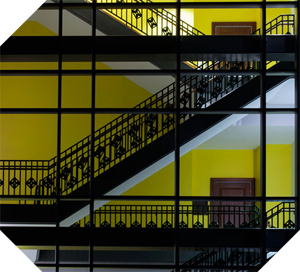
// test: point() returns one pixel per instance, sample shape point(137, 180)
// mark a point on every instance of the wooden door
point(232, 213)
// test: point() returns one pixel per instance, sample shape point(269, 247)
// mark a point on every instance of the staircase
point(280, 216)
point(128, 139)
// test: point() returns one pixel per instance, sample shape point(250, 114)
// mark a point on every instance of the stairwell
point(127, 140)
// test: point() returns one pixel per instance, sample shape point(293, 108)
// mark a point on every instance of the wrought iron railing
point(280, 216)
point(20, 177)
point(123, 136)
point(190, 216)
point(152, 22)
point(128, 133)
point(283, 24)
point(162, 216)
point(221, 257)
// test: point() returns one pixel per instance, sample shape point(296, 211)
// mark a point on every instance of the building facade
point(151, 135)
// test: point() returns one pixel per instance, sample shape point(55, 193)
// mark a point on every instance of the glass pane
point(139, 147)
point(219, 149)
point(134, 214)
point(75, 155)
point(77, 22)
point(25, 161)
point(135, 92)
point(281, 215)
point(76, 91)
point(137, 21)
point(28, 91)
point(280, 155)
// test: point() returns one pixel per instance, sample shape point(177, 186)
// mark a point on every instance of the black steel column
point(59, 95)
point(92, 143)
point(297, 117)
point(263, 135)
point(177, 139)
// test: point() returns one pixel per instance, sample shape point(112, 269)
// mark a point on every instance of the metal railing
point(221, 257)
point(283, 24)
point(129, 133)
point(123, 136)
point(162, 216)
point(152, 22)
point(190, 216)
point(280, 216)
point(24, 177)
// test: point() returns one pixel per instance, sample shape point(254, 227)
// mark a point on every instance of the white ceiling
point(245, 133)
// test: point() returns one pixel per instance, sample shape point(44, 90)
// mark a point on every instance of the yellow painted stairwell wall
point(33, 136)
point(203, 18)
point(278, 171)
point(198, 166)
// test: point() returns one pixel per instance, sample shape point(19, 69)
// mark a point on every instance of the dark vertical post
point(92, 144)
point(263, 135)
point(177, 139)
point(59, 94)
point(297, 117)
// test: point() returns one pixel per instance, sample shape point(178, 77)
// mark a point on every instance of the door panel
point(232, 212)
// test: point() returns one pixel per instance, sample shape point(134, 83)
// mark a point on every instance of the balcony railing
point(162, 216)
point(281, 25)
point(190, 216)
point(280, 216)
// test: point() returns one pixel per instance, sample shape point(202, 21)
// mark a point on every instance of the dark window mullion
point(92, 143)
point(59, 96)
point(177, 139)
point(263, 135)
point(297, 118)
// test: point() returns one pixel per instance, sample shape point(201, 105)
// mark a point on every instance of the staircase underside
point(113, 48)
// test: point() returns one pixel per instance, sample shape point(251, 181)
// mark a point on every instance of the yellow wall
point(162, 183)
point(278, 167)
point(256, 170)
point(34, 136)
point(203, 18)
point(278, 171)
point(199, 166)
point(209, 164)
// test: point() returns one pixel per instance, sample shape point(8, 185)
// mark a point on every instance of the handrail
point(165, 14)
point(140, 129)
point(196, 92)
point(276, 211)
point(288, 22)
point(149, 102)
point(159, 22)
point(190, 216)
point(162, 216)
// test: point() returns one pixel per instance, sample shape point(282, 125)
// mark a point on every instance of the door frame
point(237, 180)
point(214, 181)
point(214, 25)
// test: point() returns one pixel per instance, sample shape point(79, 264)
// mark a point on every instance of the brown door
point(232, 213)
